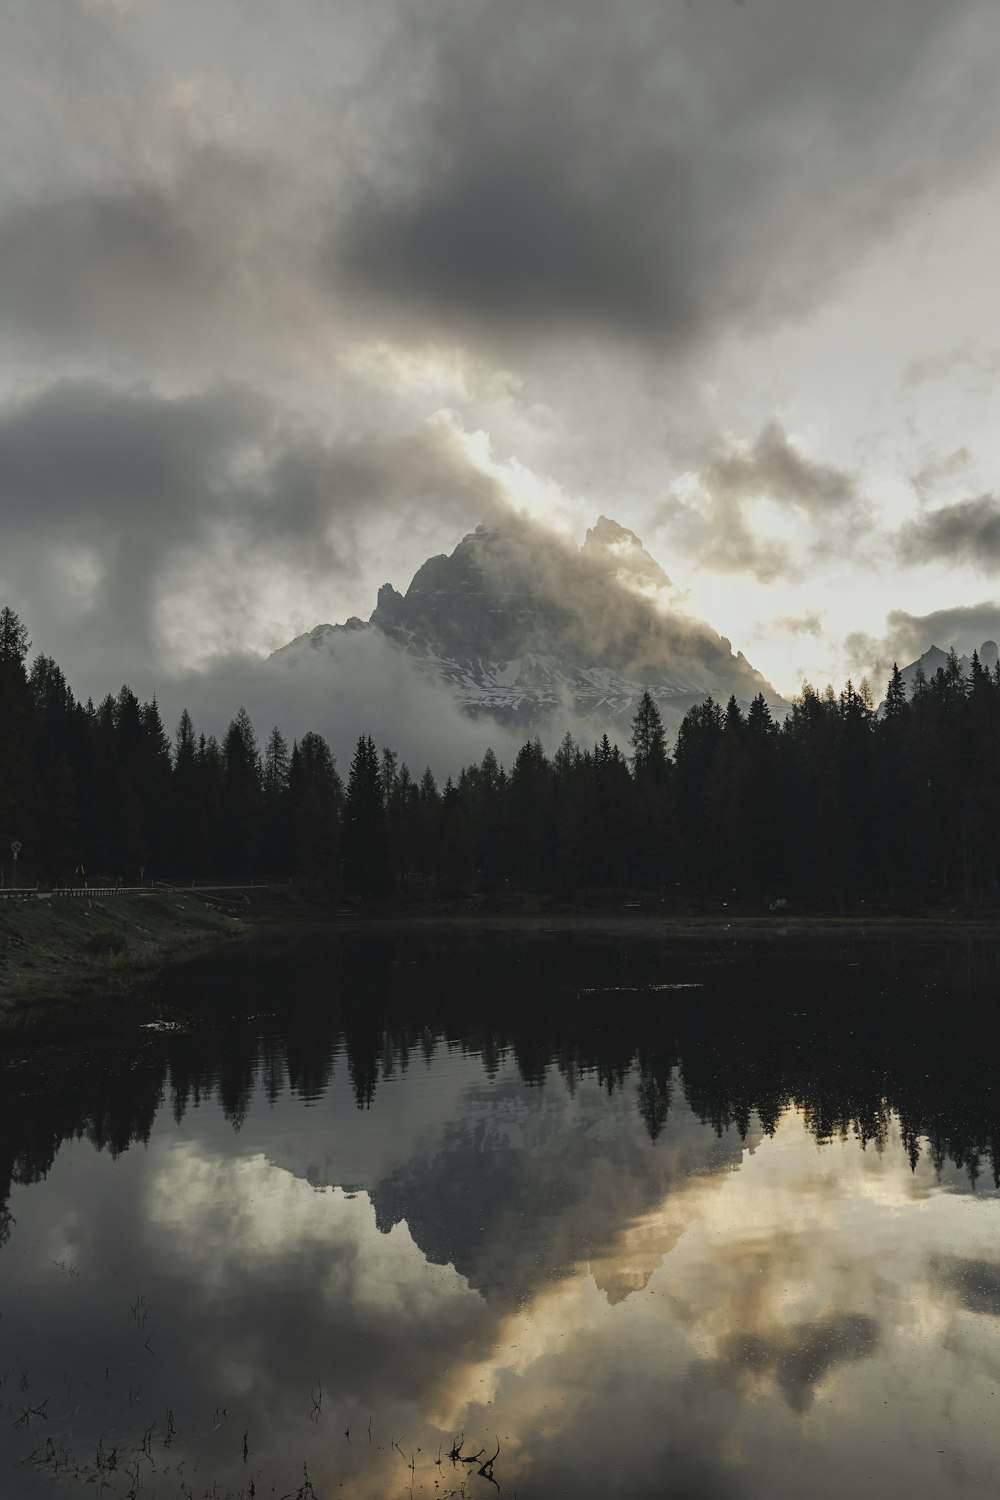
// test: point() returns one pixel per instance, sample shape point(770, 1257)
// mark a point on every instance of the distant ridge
point(934, 659)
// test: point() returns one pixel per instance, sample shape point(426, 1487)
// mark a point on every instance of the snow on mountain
point(527, 628)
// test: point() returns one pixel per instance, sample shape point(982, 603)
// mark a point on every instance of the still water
point(628, 1218)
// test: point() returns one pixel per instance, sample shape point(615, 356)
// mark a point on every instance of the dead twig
point(486, 1471)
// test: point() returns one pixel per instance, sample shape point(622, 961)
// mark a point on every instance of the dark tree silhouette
point(840, 805)
point(366, 855)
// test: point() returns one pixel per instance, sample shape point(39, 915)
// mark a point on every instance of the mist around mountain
point(836, 807)
point(541, 635)
point(935, 660)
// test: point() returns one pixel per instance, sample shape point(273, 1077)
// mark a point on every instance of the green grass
point(57, 955)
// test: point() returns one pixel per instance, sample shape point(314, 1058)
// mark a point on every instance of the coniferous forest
point(840, 806)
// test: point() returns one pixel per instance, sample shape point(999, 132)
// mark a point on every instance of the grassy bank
point(75, 965)
point(64, 957)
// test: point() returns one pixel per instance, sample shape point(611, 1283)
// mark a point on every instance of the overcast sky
point(291, 295)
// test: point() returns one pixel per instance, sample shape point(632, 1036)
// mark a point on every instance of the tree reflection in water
point(489, 1184)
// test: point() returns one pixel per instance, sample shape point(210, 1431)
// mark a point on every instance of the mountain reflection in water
point(659, 1219)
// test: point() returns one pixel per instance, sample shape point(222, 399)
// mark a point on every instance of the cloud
point(632, 564)
point(975, 1283)
point(538, 215)
point(158, 265)
point(171, 530)
point(938, 469)
point(711, 514)
point(811, 623)
point(165, 205)
point(967, 531)
point(657, 172)
point(365, 685)
point(665, 173)
point(964, 626)
point(177, 538)
point(942, 364)
point(798, 1358)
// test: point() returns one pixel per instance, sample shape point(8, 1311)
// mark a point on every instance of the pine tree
point(648, 741)
point(366, 861)
point(698, 742)
point(402, 820)
point(14, 642)
point(488, 820)
point(456, 868)
point(531, 829)
point(187, 848)
point(152, 779)
point(895, 695)
point(275, 767)
point(276, 840)
point(612, 793)
point(241, 803)
point(315, 797)
point(428, 810)
point(211, 778)
point(55, 746)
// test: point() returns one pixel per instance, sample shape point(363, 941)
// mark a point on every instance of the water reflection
point(661, 1222)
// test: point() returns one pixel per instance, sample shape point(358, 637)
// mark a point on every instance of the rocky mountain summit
point(526, 627)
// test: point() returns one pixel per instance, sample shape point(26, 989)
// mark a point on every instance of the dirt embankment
point(61, 954)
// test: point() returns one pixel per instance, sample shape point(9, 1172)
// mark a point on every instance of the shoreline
point(666, 926)
point(84, 966)
point(80, 963)
point(639, 918)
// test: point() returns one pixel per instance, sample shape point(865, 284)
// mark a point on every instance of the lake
point(416, 1214)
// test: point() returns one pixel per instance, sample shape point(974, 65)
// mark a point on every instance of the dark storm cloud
point(145, 489)
point(194, 256)
point(964, 627)
point(713, 519)
point(83, 451)
point(968, 532)
point(661, 170)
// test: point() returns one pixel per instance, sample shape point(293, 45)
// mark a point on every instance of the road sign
point(16, 847)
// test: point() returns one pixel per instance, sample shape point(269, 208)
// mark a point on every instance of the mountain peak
point(934, 659)
point(389, 609)
point(614, 543)
point(527, 627)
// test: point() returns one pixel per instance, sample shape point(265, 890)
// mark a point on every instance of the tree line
point(840, 804)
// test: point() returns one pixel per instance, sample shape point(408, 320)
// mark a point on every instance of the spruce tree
point(366, 860)
point(241, 803)
point(275, 835)
point(187, 847)
point(648, 741)
point(315, 796)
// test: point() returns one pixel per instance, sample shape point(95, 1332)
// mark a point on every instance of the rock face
point(528, 628)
